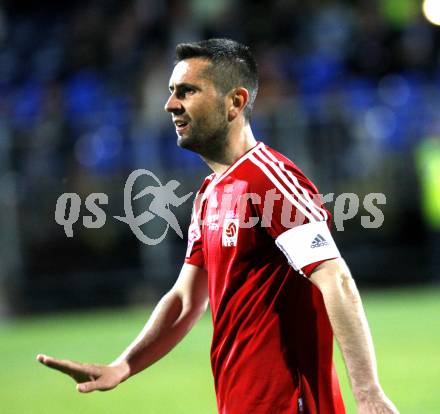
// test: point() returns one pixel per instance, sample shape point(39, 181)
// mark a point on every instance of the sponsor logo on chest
point(212, 221)
point(230, 229)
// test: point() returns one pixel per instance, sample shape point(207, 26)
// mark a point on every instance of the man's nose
point(173, 105)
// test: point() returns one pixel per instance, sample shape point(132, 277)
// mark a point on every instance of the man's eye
point(186, 91)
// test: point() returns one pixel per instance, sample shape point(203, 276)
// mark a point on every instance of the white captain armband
point(306, 244)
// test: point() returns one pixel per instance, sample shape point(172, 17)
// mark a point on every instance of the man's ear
point(238, 99)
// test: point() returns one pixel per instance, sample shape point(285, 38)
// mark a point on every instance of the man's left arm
point(350, 327)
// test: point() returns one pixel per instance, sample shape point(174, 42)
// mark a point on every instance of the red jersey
point(258, 231)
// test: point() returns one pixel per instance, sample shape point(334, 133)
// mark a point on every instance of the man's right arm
point(171, 320)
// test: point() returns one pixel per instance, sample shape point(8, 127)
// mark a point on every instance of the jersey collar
point(237, 162)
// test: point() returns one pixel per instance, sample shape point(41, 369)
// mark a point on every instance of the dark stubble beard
point(207, 135)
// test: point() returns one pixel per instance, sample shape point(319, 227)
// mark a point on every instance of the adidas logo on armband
point(318, 241)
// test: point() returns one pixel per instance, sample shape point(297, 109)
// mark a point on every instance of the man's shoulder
point(266, 165)
point(265, 156)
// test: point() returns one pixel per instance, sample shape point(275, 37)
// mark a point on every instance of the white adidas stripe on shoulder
point(306, 194)
point(292, 182)
point(291, 187)
point(281, 187)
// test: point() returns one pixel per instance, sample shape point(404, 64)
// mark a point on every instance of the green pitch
point(405, 325)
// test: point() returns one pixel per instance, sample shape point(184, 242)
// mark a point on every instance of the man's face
point(198, 109)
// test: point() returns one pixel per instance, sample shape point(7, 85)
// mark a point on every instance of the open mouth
point(181, 125)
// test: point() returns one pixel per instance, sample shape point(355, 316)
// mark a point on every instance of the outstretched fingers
point(62, 365)
point(79, 372)
point(89, 377)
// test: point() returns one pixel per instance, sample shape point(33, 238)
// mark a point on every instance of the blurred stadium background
point(350, 90)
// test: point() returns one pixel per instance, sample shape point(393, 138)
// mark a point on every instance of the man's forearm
point(350, 327)
point(172, 318)
point(168, 324)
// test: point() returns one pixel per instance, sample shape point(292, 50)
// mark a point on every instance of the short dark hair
point(232, 65)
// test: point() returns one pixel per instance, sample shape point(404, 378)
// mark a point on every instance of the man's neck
point(237, 144)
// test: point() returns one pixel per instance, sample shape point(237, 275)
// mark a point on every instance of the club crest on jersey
point(230, 232)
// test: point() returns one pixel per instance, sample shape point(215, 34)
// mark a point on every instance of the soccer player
point(260, 250)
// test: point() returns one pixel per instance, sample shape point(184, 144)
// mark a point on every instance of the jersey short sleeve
point(292, 212)
point(194, 250)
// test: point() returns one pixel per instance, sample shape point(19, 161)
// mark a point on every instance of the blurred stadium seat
point(348, 91)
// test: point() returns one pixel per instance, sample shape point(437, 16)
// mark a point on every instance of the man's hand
point(379, 404)
point(172, 318)
point(89, 377)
